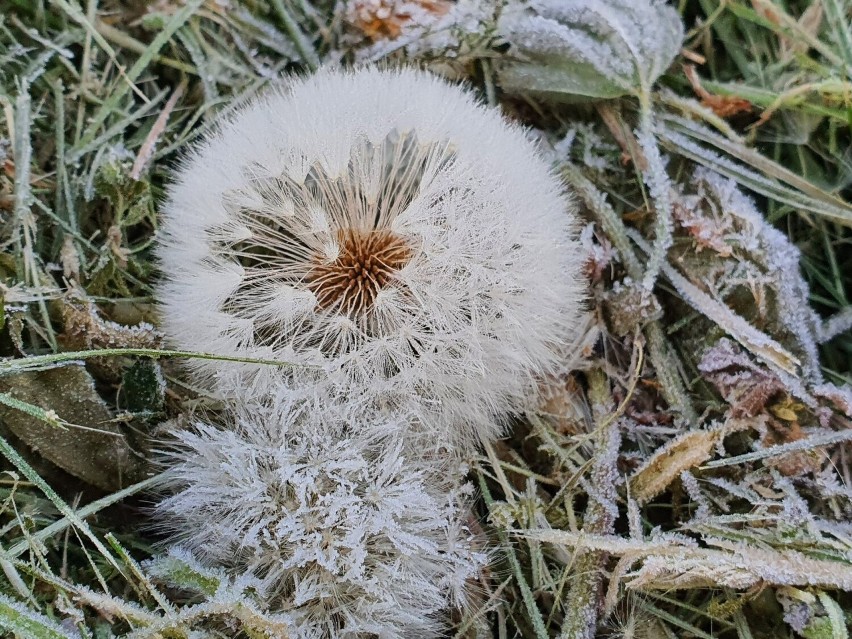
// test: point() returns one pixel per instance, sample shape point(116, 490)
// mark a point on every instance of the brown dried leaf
point(725, 106)
point(739, 567)
point(86, 329)
point(666, 465)
point(560, 400)
point(97, 453)
point(840, 397)
point(677, 562)
point(69, 259)
point(705, 230)
point(115, 243)
point(629, 307)
point(386, 19)
point(746, 386)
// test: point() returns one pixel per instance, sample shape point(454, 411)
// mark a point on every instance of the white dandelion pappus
point(348, 537)
point(385, 227)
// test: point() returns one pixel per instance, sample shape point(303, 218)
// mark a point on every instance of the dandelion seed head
point(378, 225)
point(347, 537)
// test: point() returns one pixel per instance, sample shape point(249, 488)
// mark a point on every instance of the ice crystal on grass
point(384, 228)
point(604, 48)
point(347, 536)
point(21, 621)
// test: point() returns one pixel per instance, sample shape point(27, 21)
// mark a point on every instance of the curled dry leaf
point(740, 568)
point(666, 465)
point(725, 106)
point(86, 329)
point(678, 562)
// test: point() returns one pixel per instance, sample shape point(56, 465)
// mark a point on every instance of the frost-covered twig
point(835, 325)
point(657, 179)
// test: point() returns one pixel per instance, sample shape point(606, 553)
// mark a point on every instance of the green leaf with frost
point(24, 623)
point(557, 80)
point(601, 49)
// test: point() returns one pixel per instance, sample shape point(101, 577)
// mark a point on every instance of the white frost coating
point(348, 537)
point(563, 44)
point(487, 280)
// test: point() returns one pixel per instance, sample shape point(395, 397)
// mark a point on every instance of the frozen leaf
point(759, 278)
point(85, 329)
point(675, 562)
point(839, 396)
point(666, 465)
point(629, 307)
point(752, 338)
point(742, 568)
point(92, 447)
point(599, 49)
point(746, 386)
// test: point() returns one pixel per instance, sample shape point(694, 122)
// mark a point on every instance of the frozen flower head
point(594, 48)
point(385, 228)
point(347, 537)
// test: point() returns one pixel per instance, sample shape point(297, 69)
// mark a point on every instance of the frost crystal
point(604, 48)
point(347, 537)
point(384, 229)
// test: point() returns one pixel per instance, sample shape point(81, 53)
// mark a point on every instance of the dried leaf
point(725, 106)
point(666, 465)
point(388, 19)
point(85, 329)
point(96, 451)
point(747, 387)
point(675, 562)
point(742, 568)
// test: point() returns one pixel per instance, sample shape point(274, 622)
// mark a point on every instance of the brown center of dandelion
point(365, 264)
